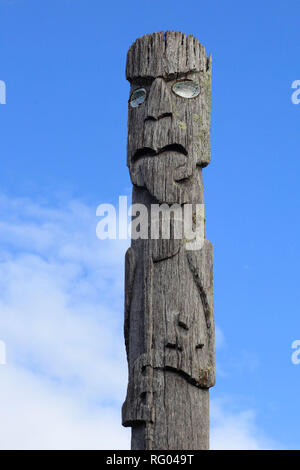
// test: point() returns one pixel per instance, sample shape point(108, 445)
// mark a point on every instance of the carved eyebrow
point(147, 81)
point(142, 81)
point(182, 75)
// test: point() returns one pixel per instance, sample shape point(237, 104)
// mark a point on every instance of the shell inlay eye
point(186, 89)
point(138, 97)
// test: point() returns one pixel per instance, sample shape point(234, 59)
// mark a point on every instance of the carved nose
point(159, 101)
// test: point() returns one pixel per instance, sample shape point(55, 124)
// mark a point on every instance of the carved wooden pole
point(169, 320)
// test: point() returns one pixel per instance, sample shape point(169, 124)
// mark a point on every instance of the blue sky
point(63, 152)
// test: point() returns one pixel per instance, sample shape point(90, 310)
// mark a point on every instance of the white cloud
point(35, 414)
point(236, 430)
point(61, 318)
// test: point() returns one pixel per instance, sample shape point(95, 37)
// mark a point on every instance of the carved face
point(168, 134)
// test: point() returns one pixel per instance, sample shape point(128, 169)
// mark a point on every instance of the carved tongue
point(160, 174)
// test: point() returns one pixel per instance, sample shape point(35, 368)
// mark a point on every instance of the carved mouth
point(149, 152)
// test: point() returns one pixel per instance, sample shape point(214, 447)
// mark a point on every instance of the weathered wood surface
point(169, 319)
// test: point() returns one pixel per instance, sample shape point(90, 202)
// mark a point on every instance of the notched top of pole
point(166, 54)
